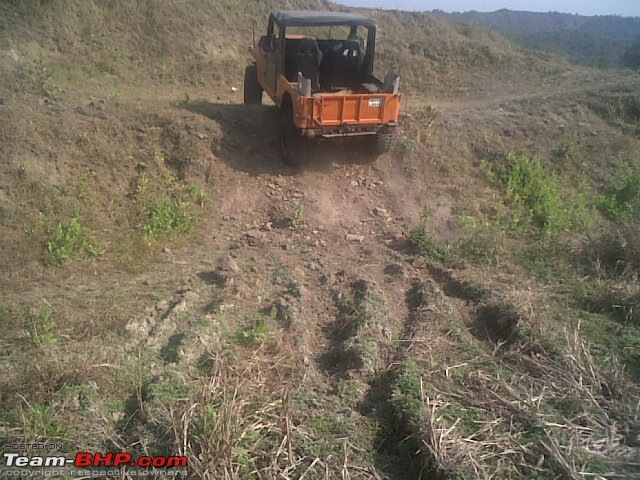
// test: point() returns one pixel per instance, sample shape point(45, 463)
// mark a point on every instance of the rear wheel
point(252, 89)
point(292, 144)
point(382, 144)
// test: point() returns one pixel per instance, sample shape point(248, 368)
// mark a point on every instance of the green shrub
point(535, 200)
point(70, 241)
point(166, 215)
point(621, 200)
point(169, 209)
point(425, 244)
point(251, 335)
point(533, 193)
point(44, 330)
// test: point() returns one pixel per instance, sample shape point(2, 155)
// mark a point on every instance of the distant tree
point(631, 57)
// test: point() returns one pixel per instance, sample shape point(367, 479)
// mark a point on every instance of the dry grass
point(538, 412)
point(242, 423)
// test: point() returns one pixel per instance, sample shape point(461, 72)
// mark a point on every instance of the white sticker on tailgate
point(375, 102)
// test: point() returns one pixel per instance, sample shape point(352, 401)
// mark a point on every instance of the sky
point(627, 8)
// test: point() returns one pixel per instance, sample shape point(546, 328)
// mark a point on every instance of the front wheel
point(292, 144)
point(252, 89)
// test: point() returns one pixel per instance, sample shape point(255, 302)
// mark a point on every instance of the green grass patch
point(360, 333)
point(39, 423)
point(425, 244)
point(70, 242)
point(535, 198)
point(621, 200)
point(253, 334)
point(44, 329)
point(608, 337)
point(168, 208)
point(407, 393)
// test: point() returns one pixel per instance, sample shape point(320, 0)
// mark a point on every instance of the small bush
point(425, 244)
point(296, 217)
point(44, 330)
point(251, 335)
point(165, 216)
point(169, 209)
point(70, 241)
point(621, 200)
point(534, 193)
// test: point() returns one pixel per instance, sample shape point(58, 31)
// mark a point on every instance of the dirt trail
point(373, 203)
point(320, 252)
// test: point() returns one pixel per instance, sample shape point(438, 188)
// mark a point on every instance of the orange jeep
point(317, 67)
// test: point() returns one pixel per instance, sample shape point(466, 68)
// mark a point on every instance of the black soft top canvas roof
point(307, 18)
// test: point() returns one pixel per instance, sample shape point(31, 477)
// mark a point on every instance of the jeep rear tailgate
point(354, 109)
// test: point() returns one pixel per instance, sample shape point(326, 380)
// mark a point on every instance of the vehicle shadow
point(250, 141)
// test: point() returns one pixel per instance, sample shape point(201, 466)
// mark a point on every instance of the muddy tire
point(252, 89)
point(382, 144)
point(293, 145)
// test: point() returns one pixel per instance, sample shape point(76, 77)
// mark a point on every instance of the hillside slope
point(464, 307)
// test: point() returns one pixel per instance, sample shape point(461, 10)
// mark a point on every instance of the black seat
point(307, 62)
point(347, 65)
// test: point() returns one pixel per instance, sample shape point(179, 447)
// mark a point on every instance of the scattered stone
point(253, 233)
point(167, 251)
point(267, 227)
point(354, 183)
point(314, 266)
point(162, 305)
point(381, 212)
point(419, 262)
point(218, 277)
point(180, 307)
point(328, 279)
point(97, 103)
point(354, 238)
point(141, 166)
point(227, 264)
point(226, 307)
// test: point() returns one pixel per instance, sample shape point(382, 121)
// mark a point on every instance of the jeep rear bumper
point(348, 130)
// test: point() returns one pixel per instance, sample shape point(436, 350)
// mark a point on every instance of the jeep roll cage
point(300, 18)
